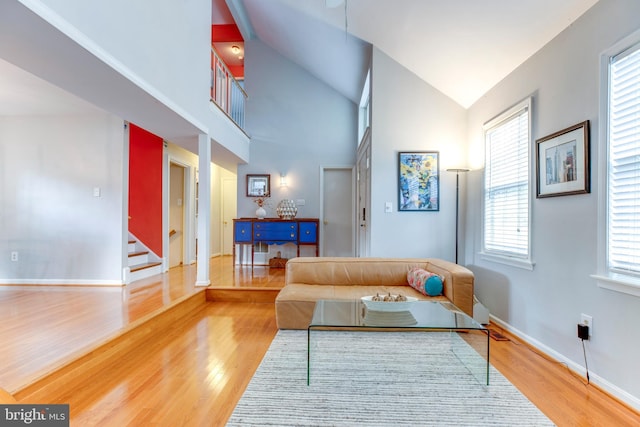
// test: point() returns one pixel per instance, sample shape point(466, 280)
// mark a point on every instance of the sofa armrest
point(458, 283)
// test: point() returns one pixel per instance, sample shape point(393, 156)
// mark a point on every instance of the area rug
point(379, 379)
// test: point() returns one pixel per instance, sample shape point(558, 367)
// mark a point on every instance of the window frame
point(607, 278)
point(513, 259)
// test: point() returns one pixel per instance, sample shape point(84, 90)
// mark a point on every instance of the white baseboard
point(602, 383)
point(61, 282)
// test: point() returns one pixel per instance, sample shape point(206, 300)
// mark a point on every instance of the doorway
point(177, 175)
point(229, 201)
point(338, 207)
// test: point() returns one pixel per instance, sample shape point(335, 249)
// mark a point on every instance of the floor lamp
point(457, 171)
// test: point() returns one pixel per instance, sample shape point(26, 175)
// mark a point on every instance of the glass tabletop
point(414, 314)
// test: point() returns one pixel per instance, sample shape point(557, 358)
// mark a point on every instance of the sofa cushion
point(425, 282)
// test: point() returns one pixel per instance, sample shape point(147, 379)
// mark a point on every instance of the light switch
point(96, 191)
point(388, 207)
point(299, 202)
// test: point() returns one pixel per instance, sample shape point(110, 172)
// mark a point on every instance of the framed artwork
point(563, 162)
point(258, 185)
point(419, 181)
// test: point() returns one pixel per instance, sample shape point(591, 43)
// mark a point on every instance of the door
point(229, 198)
point(176, 214)
point(363, 189)
point(338, 206)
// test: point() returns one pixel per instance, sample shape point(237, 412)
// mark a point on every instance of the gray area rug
point(379, 379)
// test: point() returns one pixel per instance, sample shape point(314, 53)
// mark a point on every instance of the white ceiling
point(461, 47)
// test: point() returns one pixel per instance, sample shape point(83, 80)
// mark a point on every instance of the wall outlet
point(14, 256)
point(587, 320)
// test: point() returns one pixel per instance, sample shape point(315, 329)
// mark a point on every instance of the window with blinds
point(623, 207)
point(506, 184)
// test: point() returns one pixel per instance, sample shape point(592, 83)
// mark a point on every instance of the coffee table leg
point(308, 354)
point(488, 341)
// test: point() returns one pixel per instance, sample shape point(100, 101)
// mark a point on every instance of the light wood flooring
point(195, 370)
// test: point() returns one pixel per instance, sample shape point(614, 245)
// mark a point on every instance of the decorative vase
point(261, 212)
point(287, 209)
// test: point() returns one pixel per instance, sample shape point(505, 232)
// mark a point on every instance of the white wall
point(545, 304)
point(410, 115)
point(297, 124)
point(164, 45)
point(48, 213)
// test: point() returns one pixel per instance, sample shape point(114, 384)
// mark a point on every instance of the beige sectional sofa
point(310, 279)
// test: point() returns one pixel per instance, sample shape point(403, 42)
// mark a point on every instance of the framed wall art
point(258, 185)
point(419, 181)
point(563, 162)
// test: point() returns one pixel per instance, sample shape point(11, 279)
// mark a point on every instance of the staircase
point(142, 262)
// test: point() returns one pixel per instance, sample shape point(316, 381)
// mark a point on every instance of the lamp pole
point(457, 171)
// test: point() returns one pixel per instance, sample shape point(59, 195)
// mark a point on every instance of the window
point(364, 110)
point(506, 187)
point(619, 215)
point(623, 218)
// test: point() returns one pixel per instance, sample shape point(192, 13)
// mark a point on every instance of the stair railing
point(226, 92)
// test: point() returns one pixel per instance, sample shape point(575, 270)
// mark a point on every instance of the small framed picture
point(563, 162)
point(419, 181)
point(258, 185)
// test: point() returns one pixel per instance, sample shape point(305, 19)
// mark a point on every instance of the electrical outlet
point(587, 320)
point(14, 256)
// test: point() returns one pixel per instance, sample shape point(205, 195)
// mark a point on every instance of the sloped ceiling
point(461, 47)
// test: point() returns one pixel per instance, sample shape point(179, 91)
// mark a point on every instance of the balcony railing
point(226, 92)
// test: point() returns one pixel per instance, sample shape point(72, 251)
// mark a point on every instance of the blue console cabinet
point(273, 231)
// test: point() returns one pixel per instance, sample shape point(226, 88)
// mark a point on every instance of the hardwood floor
point(193, 373)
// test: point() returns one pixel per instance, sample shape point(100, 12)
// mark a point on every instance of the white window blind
point(506, 190)
point(624, 163)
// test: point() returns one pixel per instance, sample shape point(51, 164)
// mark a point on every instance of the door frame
point(189, 242)
point(225, 199)
point(364, 150)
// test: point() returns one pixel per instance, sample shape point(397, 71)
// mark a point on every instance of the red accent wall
point(145, 187)
point(225, 33)
point(237, 71)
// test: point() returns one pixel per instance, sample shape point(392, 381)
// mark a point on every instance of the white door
point(363, 189)
point(337, 212)
point(176, 215)
point(229, 197)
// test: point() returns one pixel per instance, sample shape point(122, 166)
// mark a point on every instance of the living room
point(543, 304)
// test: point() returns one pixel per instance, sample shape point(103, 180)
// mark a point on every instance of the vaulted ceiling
point(461, 47)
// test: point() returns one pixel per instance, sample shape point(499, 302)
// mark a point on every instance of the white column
point(204, 210)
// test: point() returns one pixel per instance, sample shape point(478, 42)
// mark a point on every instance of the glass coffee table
point(428, 316)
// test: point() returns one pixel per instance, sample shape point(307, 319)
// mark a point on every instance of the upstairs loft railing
point(226, 92)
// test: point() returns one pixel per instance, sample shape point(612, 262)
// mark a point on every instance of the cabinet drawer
point(275, 231)
point(242, 231)
point(308, 232)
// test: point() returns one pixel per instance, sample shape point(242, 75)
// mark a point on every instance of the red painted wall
point(225, 33)
point(145, 187)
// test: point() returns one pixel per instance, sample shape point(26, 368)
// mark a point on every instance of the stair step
point(132, 254)
point(143, 266)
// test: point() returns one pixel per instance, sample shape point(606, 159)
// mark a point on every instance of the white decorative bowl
point(387, 305)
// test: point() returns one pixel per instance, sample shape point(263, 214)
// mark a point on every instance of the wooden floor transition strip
point(257, 295)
